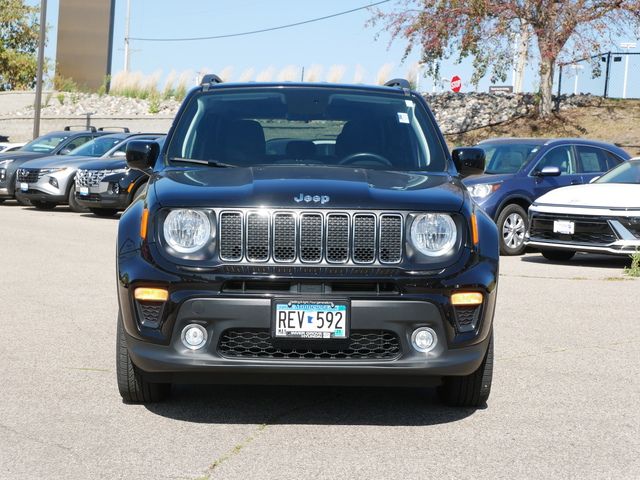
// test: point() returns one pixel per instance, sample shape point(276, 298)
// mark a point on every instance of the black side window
point(76, 142)
point(591, 159)
point(561, 157)
point(612, 160)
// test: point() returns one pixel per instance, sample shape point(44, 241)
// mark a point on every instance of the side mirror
point(65, 151)
point(549, 171)
point(468, 160)
point(141, 155)
point(594, 179)
point(119, 154)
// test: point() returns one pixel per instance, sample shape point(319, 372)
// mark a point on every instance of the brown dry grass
point(614, 121)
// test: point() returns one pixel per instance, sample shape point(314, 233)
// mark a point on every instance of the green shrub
point(634, 269)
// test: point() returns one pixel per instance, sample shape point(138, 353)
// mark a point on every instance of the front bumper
point(43, 190)
point(207, 301)
point(103, 199)
point(608, 232)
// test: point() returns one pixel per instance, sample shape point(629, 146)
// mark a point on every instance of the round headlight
point(187, 231)
point(433, 234)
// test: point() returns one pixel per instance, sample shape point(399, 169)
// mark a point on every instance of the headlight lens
point(49, 171)
point(433, 234)
point(187, 231)
point(483, 190)
point(118, 170)
point(5, 163)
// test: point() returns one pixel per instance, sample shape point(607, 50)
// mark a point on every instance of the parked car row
point(85, 169)
point(520, 170)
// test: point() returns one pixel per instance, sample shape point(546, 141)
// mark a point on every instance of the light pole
point(575, 68)
point(41, 41)
point(126, 36)
point(627, 46)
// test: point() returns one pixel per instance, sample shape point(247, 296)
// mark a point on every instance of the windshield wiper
point(210, 163)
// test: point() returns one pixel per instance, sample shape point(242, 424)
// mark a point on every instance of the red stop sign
point(456, 83)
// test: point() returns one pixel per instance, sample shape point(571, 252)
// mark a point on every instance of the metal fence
point(609, 74)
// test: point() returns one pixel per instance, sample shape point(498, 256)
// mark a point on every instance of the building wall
point(85, 39)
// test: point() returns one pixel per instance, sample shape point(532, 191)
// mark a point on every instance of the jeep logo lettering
point(321, 199)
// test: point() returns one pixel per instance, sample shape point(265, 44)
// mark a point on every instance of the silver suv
point(50, 181)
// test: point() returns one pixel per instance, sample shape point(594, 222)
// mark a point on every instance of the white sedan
point(10, 147)
point(600, 217)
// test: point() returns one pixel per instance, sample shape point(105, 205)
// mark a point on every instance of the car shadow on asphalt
point(583, 260)
point(304, 405)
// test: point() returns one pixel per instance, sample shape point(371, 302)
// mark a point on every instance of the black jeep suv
point(308, 233)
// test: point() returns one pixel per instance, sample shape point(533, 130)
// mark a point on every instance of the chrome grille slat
point(231, 237)
point(364, 238)
point(29, 175)
point(311, 226)
point(284, 237)
point(311, 236)
point(337, 249)
point(390, 238)
point(257, 237)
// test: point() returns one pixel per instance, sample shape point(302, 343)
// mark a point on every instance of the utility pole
point(576, 68)
point(627, 46)
point(41, 41)
point(126, 36)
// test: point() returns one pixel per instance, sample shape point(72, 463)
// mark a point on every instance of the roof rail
point(124, 129)
point(208, 80)
point(80, 127)
point(398, 82)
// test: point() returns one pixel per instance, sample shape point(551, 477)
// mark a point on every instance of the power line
point(253, 32)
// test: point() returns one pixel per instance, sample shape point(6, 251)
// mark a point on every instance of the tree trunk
point(546, 86)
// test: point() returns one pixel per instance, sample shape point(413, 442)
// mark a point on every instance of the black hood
point(313, 187)
point(21, 156)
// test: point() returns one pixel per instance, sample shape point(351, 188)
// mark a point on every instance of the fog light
point(194, 336)
point(53, 182)
point(424, 339)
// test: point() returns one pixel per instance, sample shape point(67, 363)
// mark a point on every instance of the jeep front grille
point(90, 178)
point(311, 237)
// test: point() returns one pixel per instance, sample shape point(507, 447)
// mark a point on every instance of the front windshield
point(96, 147)
point(626, 172)
point(45, 143)
point(506, 157)
point(307, 126)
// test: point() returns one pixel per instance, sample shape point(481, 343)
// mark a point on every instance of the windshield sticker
point(409, 103)
point(403, 117)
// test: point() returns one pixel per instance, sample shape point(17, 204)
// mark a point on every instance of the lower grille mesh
point(258, 343)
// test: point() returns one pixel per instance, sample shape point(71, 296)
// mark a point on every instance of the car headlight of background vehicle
point(3, 168)
point(187, 231)
point(433, 234)
point(483, 190)
point(49, 171)
point(116, 171)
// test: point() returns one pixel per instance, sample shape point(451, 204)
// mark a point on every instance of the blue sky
point(341, 41)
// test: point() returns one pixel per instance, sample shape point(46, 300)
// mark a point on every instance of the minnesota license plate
point(24, 187)
point(310, 320)
point(566, 227)
point(84, 191)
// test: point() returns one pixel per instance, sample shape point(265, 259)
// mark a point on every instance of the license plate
point(310, 320)
point(566, 227)
point(24, 187)
point(84, 190)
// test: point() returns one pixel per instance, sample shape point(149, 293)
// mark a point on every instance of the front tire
point(558, 255)
point(512, 224)
point(73, 203)
point(131, 383)
point(470, 390)
point(43, 205)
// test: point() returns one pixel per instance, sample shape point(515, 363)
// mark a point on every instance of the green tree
point(19, 29)
point(484, 31)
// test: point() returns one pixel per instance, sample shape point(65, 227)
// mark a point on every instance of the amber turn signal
point(151, 294)
point(143, 224)
point(466, 299)
point(474, 230)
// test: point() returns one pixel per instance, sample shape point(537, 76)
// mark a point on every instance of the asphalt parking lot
point(564, 402)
